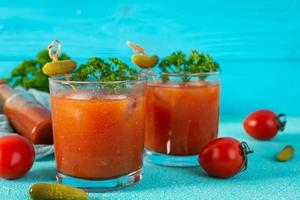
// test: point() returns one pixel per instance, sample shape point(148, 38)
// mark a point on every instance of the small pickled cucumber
point(43, 191)
point(59, 67)
point(144, 61)
point(285, 154)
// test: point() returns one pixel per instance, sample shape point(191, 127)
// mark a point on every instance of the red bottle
point(29, 118)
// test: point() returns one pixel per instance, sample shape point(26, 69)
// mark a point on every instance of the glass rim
point(186, 74)
point(57, 79)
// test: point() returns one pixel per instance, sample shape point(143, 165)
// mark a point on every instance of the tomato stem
point(246, 150)
point(281, 118)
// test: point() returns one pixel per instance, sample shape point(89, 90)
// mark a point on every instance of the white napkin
point(41, 150)
point(4, 125)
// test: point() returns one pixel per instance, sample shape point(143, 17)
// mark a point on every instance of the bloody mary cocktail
point(98, 132)
point(181, 117)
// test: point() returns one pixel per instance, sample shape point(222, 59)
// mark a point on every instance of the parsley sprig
point(178, 62)
point(99, 70)
point(28, 74)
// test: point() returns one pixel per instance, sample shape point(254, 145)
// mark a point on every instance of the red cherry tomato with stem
point(16, 156)
point(264, 124)
point(224, 157)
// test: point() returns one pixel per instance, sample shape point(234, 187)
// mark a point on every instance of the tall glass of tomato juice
point(182, 115)
point(98, 130)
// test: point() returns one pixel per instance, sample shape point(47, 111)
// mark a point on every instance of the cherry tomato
point(16, 156)
point(224, 157)
point(264, 124)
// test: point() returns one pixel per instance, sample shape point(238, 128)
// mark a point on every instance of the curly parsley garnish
point(97, 69)
point(28, 74)
point(196, 62)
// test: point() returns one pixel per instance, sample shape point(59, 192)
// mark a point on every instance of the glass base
point(171, 161)
point(101, 185)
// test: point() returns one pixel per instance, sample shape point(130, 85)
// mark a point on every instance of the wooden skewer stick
point(52, 55)
point(73, 86)
point(136, 48)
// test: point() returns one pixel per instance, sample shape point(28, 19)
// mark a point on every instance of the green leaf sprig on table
point(29, 74)
point(178, 62)
point(97, 69)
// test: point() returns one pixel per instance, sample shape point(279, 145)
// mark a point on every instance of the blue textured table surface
point(265, 178)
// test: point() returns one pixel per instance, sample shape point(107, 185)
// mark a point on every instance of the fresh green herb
point(28, 74)
point(196, 62)
point(99, 70)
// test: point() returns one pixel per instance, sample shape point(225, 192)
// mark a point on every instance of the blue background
point(257, 43)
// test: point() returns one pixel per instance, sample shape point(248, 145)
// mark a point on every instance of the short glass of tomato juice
point(98, 130)
point(182, 115)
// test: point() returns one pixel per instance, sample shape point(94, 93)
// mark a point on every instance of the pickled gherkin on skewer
point(144, 62)
point(57, 67)
point(140, 58)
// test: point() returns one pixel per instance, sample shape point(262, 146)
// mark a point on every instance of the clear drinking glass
point(98, 130)
point(182, 115)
